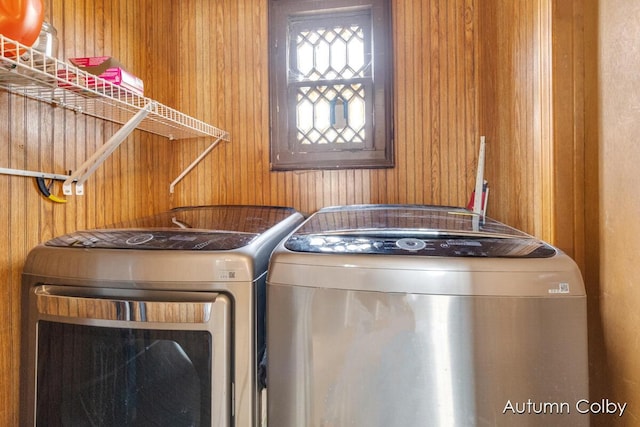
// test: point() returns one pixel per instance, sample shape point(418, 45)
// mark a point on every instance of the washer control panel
point(189, 240)
point(492, 247)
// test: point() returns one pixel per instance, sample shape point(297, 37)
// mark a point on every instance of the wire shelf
point(30, 73)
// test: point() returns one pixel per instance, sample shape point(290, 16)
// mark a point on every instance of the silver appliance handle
point(197, 309)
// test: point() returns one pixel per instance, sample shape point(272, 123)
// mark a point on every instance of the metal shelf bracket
point(194, 164)
point(93, 162)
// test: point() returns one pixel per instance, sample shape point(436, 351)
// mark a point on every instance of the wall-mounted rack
point(32, 74)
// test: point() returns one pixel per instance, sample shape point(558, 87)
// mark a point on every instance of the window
point(330, 82)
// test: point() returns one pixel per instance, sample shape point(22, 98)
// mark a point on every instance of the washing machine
point(156, 321)
point(412, 316)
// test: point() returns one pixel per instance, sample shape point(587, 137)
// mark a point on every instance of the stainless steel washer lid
point(368, 248)
point(202, 228)
point(425, 218)
point(413, 230)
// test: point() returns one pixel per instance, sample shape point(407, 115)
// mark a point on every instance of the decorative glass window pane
point(327, 108)
point(330, 115)
point(329, 52)
point(329, 73)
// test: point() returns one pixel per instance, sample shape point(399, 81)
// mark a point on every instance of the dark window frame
point(377, 150)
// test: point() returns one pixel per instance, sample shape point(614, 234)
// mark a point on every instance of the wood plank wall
point(573, 199)
point(532, 112)
point(224, 75)
point(36, 136)
point(514, 116)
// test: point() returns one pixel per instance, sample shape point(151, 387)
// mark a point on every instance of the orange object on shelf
point(21, 20)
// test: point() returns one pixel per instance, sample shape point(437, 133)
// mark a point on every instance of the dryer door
point(127, 358)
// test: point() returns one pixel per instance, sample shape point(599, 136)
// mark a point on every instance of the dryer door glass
point(123, 357)
point(90, 375)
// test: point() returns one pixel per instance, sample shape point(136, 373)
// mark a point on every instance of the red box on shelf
point(106, 68)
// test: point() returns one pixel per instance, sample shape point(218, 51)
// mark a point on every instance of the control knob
point(411, 244)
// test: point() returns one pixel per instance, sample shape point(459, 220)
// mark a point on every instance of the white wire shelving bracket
point(58, 83)
point(193, 165)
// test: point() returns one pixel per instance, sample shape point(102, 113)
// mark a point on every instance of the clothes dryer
point(156, 321)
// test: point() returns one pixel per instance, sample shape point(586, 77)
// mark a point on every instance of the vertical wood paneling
point(400, 125)
point(436, 120)
point(532, 102)
point(568, 107)
point(7, 400)
point(37, 136)
point(601, 368)
point(508, 108)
